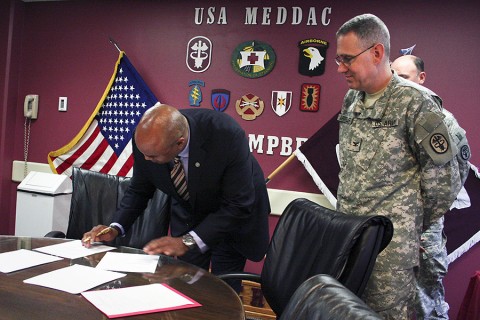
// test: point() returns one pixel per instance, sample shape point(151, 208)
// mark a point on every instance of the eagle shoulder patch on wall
point(313, 53)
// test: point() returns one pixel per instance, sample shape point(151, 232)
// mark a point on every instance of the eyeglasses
point(348, 60)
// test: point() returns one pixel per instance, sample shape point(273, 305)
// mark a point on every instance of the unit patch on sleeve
point(220, 99)
point(312, 57)
point(199, 54)
point(439, 143)
point(195, 94)
point(249, 106)
point(310, 97)
point(253, 59)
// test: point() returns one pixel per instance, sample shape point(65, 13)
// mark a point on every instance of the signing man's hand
point(169, 246)
point(99, 233)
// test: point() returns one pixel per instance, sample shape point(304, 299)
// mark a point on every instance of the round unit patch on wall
point(253, 59)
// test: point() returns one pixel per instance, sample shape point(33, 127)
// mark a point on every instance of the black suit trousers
point(220, 259)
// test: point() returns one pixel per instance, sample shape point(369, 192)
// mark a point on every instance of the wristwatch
point(189, 241)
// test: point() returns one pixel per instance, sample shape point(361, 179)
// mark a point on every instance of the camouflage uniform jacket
point(396, 160)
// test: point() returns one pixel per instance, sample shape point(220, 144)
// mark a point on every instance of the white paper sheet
point(128, 262)
point(73, 249)
point(130, 301)
point(22, 259)
point(74, 279)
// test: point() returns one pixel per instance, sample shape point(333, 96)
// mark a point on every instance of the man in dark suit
point(223, 217)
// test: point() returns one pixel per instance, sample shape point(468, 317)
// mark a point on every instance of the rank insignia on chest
point(249, 106)
point(281, 102)
point(253, 59)
point(220, 99)
point(195, 94)
point(354, 144)
point(310, 97)
point(312, 56)
point(199, 54)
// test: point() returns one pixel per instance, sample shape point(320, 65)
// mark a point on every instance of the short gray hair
point(369, 29)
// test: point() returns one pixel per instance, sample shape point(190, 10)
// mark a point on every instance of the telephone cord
point(26, 142)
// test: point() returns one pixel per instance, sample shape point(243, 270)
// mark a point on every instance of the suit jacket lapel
point(196, 158)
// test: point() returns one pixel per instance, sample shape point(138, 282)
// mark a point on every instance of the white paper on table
point(23, 259)
point(128, 262)
point(74, 279)
point(73, 249)
point(131, 301)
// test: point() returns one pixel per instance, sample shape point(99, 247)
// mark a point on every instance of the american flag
point(104, 143)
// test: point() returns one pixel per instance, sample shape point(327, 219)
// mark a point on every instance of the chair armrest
point(55, 234)
point(241, 275)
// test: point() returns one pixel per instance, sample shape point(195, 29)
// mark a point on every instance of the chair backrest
point(152, 224)
point(95, 199)
point(322, 297)
point(310, 239)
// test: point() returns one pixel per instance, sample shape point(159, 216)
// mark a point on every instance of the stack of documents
point(78, 279)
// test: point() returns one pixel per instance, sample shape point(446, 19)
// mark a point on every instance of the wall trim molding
point(279, 199)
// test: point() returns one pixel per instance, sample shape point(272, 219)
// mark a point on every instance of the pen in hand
point(102, 232)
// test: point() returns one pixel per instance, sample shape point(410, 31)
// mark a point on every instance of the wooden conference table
point(19, 300)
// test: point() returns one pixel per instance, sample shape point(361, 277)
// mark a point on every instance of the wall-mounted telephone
point(30, 111)
point(30, 106)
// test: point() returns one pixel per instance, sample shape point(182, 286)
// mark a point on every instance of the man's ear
point(421, 77)
point(378, 52)
point(181, 142)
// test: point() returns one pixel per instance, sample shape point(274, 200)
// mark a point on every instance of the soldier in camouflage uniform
point(396, 159)
point(430, 300)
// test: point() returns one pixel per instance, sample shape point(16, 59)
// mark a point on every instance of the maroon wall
point(11, 20)
point(65, 52)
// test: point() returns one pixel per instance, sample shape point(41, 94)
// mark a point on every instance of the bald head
point(162, 133)
point(410, 67)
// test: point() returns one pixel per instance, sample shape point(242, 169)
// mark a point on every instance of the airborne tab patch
point(312, 57)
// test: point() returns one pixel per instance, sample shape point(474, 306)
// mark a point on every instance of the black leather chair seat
point(310, 239)
point(322, 297)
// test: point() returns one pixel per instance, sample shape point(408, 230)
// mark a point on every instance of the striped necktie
point(179, 180)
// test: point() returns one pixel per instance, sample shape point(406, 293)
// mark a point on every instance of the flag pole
point(280, 167)
point(114, 43)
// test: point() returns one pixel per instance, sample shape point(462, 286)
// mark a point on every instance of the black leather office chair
point(310, 239)
point(95, 198)
point(322, 297)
